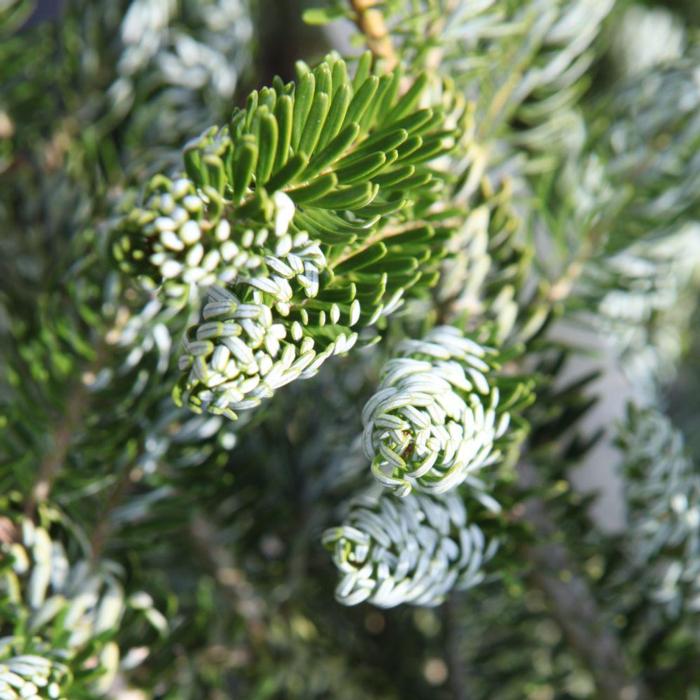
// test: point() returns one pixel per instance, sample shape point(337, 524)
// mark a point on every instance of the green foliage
point(440, 413)
point(59, 617)
point(651, 143)
point(348, 153)
point(489, 260)
point(662, 493)
point(437, 232)
point(327, 164)
point(411, 550)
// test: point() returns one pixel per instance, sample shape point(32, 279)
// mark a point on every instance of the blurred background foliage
point(213, 529)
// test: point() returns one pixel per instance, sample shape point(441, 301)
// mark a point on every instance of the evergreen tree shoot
point(349, 350)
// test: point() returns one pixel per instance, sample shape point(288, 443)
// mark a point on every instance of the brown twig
point(61, 440)
point(381, 234)
point(66, 427)
point(8, 531)
point(571, 602)
point(455, 661)
point(370, 21)
point(103, 529)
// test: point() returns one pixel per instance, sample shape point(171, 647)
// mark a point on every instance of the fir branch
point(429, 547)
point(75, 610)
point(318, 209)
point(439, 414)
